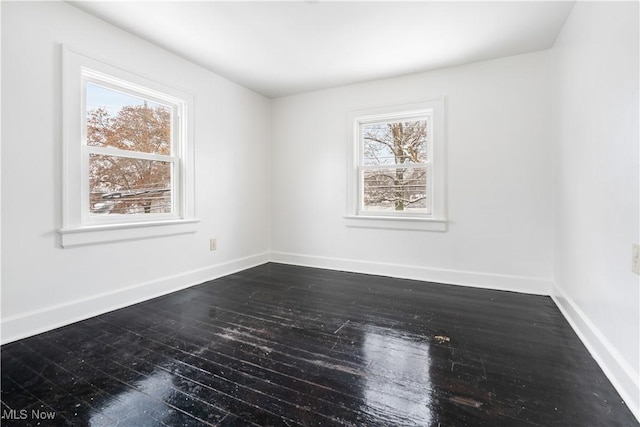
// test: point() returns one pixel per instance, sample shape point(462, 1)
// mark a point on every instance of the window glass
point(395, 190)
point(125, 185)
point(127, 122)
point(394, 165)
point(395, 142)
point(135, 175)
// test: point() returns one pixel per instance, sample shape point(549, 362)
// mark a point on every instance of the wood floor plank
point(256, 368)
point(296, 346)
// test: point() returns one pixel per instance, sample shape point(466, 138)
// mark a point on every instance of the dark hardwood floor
point(283, 345)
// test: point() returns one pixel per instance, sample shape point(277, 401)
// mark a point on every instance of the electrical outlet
point(213, 244)
point(635, 259)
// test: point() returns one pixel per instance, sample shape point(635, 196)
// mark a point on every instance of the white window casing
point(431, 217)
point(79, 225)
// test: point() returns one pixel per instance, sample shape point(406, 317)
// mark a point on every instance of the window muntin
point(394, 164)
point(131, 144)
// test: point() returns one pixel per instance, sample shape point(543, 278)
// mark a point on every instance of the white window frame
point(79, 226)
point(435, 219)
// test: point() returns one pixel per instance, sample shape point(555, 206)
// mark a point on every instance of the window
point(131, 147)
point(395, 164)
point(397, 169)
point(128, 163)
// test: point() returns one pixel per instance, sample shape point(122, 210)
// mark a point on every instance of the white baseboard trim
point(527, 285)
point(621, 374)
point(618, 371)
point(43, 320)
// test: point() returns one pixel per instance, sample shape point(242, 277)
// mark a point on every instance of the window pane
point(121, 185)
point(395, 190)
point(127, 122)
point(395, 142)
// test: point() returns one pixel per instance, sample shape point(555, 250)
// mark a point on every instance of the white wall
point(597, 185)
point(499, 178)
point(510, 226)
point(44, 286)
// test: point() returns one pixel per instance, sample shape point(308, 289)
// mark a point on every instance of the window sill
point(396, 223)
point(100, 234)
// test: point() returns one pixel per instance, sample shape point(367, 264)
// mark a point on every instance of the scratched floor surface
point(287, 346)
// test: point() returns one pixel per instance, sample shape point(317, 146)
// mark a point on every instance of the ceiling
point(285, 48)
